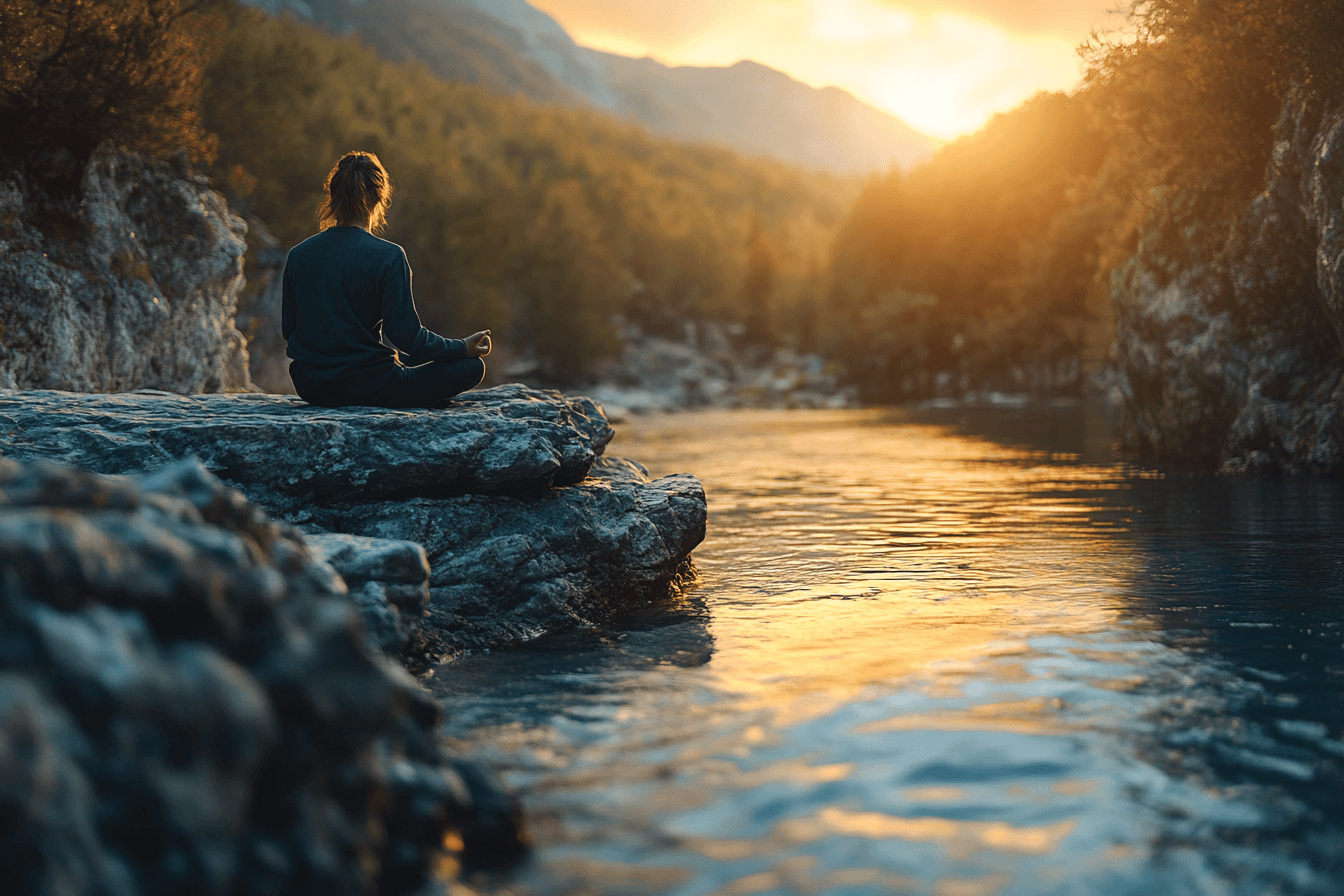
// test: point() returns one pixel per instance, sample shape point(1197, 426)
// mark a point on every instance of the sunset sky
point(944, 66)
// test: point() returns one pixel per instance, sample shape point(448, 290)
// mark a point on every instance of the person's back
point(344, 288)
point(339, 281)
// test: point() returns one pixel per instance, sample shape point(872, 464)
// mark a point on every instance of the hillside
point(539, 221)
point(510, 47)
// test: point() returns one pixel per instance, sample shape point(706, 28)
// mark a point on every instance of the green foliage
point(1191, 90)
point(74, 73)
point(1014, 232)
point(541, 223)
point(979, 264)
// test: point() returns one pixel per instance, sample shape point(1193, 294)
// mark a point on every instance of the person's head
point(358, 190)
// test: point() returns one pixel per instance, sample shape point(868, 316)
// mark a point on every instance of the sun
point(942, 67)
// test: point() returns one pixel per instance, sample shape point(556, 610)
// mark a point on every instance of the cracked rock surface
point(507, 569)
point(287, 455)
point(525, 527)
point(129, 282)
point(388, 579)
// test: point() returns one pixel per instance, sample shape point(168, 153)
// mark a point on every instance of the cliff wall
point(122, 275)
point(1230, 334)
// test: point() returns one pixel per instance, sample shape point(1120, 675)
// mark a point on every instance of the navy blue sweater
point(342, 289)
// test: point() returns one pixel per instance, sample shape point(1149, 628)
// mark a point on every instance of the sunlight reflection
point(929, 663)
point(960, 837)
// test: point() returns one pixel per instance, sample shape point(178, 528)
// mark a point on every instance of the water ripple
point(962, 656)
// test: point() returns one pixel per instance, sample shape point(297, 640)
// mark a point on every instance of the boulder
point(706, 365)
point(526, 529)
point(507, 569)
point(129, 282)
point(1229, 334)
point(287, 455)
point(188, 704)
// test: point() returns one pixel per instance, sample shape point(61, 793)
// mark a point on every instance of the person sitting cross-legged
point(347, 296)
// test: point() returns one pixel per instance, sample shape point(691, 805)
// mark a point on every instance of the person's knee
point(480, 363)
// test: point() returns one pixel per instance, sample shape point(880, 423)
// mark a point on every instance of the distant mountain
point(512, 47)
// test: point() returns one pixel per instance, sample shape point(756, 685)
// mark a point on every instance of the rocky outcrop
point(127, 281)
point(508, 569)
point(288, 456)
point(698, 364)
point(188, 704)
point(1229, 334)
point(525, 529)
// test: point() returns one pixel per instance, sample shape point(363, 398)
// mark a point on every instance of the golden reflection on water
point(962, 838)
point(961, 550)
point(916, 671)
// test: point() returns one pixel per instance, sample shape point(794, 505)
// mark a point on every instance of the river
point(953, 653)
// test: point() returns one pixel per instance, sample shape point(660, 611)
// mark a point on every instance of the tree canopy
point(74, 73)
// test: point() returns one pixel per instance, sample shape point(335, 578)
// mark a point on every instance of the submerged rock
point(525, 529)
point(188, 704)
point(125, 278)
point(1230, 335)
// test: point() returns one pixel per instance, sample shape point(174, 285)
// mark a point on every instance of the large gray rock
point(188, 704)
point(287, 455)
point(507, 569)
point(709, 367)
point(1230, 333)
point(131, 283)
point(525, 529)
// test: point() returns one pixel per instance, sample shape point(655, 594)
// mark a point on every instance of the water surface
point(960, 655)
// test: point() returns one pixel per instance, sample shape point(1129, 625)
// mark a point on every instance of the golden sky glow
point(943, 67)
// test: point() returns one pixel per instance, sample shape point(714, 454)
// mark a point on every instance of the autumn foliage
point(988, 268)
point(74, 73)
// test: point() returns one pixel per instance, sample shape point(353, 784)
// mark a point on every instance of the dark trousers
point(427, 386)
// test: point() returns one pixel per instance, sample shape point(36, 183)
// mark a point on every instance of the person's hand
point(478, 344)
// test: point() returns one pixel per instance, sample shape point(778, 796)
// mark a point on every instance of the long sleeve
point(401, 323)
point(289, 312)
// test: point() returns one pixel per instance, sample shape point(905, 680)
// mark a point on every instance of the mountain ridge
point(512, 47)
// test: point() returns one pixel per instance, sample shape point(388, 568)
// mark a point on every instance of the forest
point(987, 268)
point(991, 266)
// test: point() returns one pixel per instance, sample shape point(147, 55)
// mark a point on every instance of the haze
point(943, 67)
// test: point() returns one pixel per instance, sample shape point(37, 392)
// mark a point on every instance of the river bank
point(208, 656)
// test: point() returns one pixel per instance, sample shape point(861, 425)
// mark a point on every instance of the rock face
point(1229, 335)
point(129, 283)
point(187, 704)
point(525, 529)
point(508, 569)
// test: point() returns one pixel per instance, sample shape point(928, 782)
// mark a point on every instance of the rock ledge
point(526, 528)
